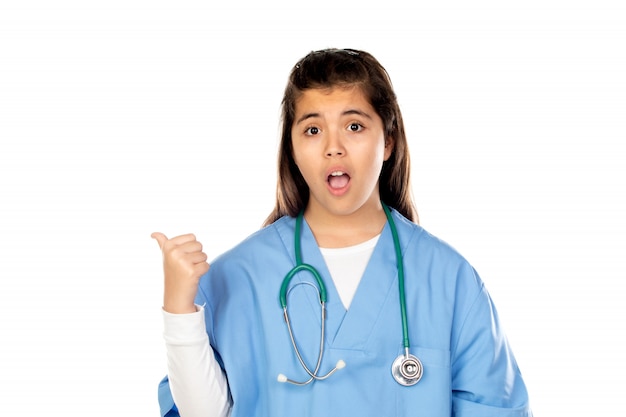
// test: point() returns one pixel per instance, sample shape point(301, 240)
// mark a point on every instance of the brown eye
point(355, 127)
point(312, 131)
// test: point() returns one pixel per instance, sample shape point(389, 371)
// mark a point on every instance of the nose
point(334, 145)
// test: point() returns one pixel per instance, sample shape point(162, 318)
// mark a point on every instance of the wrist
point(179, 308)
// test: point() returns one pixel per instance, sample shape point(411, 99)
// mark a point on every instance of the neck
point(332, 230)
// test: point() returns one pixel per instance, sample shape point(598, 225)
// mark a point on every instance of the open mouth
point(338, 180)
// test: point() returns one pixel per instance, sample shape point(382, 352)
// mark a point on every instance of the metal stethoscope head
point(406, 369)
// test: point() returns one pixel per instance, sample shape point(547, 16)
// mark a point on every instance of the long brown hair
point(344, 67)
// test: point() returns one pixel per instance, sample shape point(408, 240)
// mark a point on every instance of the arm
point(196, 385)
point(196, 382)
point(486, 380)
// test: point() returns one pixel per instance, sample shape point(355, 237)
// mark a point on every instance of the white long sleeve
point(197, 382)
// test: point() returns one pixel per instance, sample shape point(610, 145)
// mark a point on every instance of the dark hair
point(344, 67)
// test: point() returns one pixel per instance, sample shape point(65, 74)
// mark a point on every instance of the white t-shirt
point(346, 267)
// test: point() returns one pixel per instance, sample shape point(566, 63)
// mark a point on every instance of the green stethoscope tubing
point(400, 265)
point(406, 369)
point(301, 267)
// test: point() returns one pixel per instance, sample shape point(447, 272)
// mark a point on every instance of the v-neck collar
point(350, 329)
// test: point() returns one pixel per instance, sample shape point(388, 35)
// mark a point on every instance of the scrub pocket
point(431, 396)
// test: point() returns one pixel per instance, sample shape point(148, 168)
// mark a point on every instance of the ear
point(390, 144)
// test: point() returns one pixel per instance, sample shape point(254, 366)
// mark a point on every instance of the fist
point(184, 263)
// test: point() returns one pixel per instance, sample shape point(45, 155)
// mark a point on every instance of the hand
point(183, 265)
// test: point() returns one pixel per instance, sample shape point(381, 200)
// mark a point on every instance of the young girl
point(341, 304)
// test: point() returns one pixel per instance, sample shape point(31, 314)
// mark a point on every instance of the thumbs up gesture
point(184, 263)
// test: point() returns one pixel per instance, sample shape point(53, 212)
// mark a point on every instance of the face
point(339, 146)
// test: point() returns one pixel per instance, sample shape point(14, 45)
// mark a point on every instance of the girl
point(342, 304)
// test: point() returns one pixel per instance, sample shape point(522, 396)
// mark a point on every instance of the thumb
point(160, 238)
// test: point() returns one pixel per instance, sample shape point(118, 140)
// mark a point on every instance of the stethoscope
point(406, 369)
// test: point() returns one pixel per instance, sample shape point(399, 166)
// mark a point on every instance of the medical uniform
point(469, 369)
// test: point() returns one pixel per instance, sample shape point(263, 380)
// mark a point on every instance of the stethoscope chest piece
point(407, 370)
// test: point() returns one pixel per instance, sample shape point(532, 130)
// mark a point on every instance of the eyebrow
point(345, 113)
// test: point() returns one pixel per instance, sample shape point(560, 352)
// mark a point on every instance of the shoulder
point(424, 251)
point(264, 242)
point(255, 260)
point(416, 237)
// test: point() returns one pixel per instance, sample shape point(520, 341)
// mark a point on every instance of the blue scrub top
point(469, 368)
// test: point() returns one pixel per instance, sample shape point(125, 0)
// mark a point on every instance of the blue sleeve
point(166, 402)
point(486, 380)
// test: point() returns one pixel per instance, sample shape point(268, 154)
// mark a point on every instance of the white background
point(121, 118)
